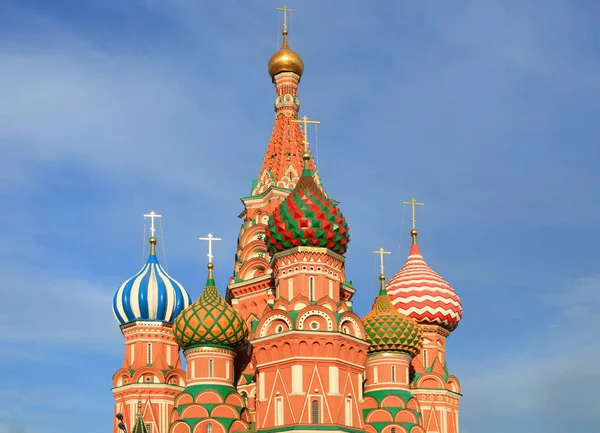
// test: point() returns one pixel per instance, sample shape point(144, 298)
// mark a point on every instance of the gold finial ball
point(285, 60)
point(305, 156)
point(381, 277)
point(152, 240)
point(414, 232)
point(210, 266)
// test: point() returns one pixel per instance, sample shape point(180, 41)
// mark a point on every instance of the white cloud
point(43, 307)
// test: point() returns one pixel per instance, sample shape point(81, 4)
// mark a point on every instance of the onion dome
point(210, 320)
point(389, 330)
point(307, 218)
point(419, 292)
point(150, 295)
point(285, 60)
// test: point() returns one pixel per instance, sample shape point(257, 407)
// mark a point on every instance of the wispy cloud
point(553, 381)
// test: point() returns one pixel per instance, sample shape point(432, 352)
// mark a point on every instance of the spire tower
point(421, 294)
point(145, 306)
point(279, 174)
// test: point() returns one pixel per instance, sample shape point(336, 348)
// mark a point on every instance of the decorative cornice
point(209, 349)
point(435, 329)
point(315, 250)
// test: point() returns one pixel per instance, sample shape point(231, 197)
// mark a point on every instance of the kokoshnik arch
point(284, 350)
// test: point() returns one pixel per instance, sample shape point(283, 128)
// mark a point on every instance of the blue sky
point(485, 110)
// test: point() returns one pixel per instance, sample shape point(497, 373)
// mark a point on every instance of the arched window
point(149, 355)
point(315, 412)
point(311, 288)
point(393, 374)
point(393, 429)
point(210, 370)
point(209, 427)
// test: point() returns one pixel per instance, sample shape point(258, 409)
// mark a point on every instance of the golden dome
point(285, 60)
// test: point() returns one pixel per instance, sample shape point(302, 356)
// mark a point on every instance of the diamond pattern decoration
point(307, 218)
point(388, 329)
point(210, 321)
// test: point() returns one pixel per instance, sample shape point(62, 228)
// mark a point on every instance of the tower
point(395, 339)
point(309, 346)
point(420, 293)
point(209, 330)
point(252, 283)
point(145, 306)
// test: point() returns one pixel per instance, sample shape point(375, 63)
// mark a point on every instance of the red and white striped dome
point(418, 292)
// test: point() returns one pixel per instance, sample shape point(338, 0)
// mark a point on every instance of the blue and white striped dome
point(151, 294)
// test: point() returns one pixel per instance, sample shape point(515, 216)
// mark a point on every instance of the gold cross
point(413, 203)
point(285, 11)
point(306, 122)
point(381, 252)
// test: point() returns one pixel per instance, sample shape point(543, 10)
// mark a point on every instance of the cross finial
point(152, 215)
point(210, 238)
point(381, 253)
point(285, 10)
point(306, 122)
point(413, 203)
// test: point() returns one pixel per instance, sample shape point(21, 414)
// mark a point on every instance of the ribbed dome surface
point(419, 292)
point(388, 330)
point(307, 218)
point(210, 321)
point(151, 294)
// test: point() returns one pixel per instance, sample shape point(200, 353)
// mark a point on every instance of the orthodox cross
point(152, 215)
point(285, 12)
point(413, 203)
point(306, 122)
point(210, 238)
point(381, 253)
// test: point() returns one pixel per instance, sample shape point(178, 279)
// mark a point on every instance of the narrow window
point(311, 288)
point(360, 387)
point(315, 412)
point(375, 375)
point(279, 411)
point(290, 289)
point(210, 370)
point(149, 355)
point(331, 289)
point(393, 374)
point(348, 412)
point(425, 358)
point(209, 427)
point(393, 429)
point(227, 374)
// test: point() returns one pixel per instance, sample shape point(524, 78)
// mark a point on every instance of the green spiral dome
point(307, 218)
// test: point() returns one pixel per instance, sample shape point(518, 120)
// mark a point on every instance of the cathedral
point(283, 350)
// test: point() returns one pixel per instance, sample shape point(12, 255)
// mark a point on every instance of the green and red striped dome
point(307, 218)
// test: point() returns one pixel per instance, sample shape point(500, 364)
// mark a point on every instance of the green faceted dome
point(389, 330)
point(307, 218)
point(210, 321)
